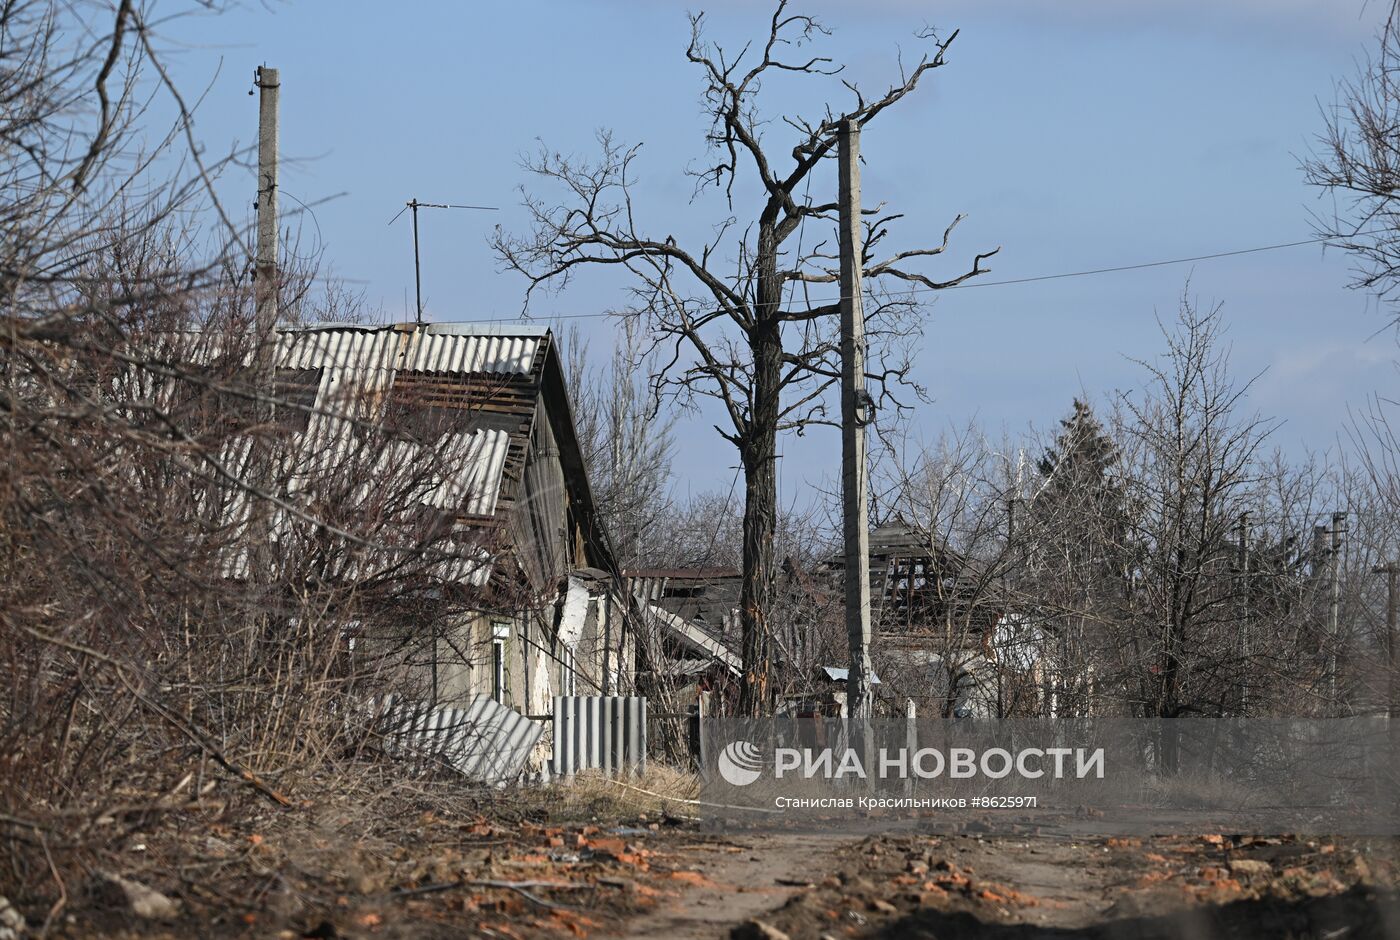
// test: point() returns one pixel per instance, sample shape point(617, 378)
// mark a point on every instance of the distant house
point(946, 634)
point(690, 619)
point(707, 597)
point(547, 613)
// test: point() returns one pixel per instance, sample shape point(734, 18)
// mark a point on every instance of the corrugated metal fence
point(603, 732)
point(484, 741)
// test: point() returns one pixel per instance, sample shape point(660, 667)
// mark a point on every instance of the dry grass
point(660, 790)
point(1204, 792)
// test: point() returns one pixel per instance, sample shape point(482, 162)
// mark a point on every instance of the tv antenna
point(415, 205)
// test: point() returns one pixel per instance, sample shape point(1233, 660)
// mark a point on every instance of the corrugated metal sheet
point(599, 732)
point(841, 674)
point(485, 741)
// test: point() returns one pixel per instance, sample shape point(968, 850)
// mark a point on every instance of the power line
point(1137, 267)
point(1003, 283)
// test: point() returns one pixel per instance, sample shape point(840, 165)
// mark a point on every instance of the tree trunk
point(758, 452)
point(760, 503)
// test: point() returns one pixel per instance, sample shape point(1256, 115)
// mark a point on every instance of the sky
point(1075, 135)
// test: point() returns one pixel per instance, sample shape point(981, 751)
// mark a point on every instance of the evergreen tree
point(1079, 570)
point(1081, 500)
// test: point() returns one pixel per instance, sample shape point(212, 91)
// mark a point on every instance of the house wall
point(546, 544)
point(534, 657)
point(467, 652)
point(605, 655)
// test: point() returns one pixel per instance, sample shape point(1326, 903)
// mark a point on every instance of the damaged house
point(529, 605)
point(690, 618)
point(945, 633)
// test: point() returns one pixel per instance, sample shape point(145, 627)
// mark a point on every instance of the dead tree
point(724, 313)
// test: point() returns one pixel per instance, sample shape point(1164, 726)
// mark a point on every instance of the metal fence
point(484, 741)
point(602, 732)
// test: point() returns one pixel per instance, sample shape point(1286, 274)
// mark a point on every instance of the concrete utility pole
point(1334, 604)
point(265, 316)
point(855, 414)
point(265, 272)
point(1245, 598)
point(1391, 570)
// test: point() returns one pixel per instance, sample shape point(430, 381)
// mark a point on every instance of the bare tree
point(941, 577)
point(722, 313)
point(134, 650)
point(627, 443)
point(1193, 457)
point(1357, 162)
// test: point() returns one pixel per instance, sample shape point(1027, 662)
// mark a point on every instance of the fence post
point(911, 743)
point(698, 744)
point(641, 767)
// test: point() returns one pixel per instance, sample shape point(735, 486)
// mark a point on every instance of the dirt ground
point(969, 885)
point(426, 862)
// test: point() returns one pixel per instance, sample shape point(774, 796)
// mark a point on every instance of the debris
point(1250, 866)
point(757, 930)
point(142, 901)
point(12, 923)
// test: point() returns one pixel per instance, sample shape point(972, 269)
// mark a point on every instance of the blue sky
point(1078, 134)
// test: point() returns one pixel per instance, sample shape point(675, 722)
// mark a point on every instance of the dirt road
point(740, 879)
point(431, 870)
point(973, 886)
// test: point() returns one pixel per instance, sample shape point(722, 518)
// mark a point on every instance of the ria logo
point(740, 763)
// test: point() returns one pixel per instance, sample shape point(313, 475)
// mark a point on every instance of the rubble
point(757, 930)
point(146, 903)
point(12, 922)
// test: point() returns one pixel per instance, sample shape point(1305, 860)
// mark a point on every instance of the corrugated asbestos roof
point(492, 355)
point(481, 457)
point(454, 348)
point(356, 362)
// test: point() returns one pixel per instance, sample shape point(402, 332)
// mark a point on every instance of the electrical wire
point(1002, 283)
point(1137, 267)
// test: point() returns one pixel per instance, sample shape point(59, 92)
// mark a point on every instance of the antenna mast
point(415, 205)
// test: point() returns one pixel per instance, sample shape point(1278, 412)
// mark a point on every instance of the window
point(500, 674)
